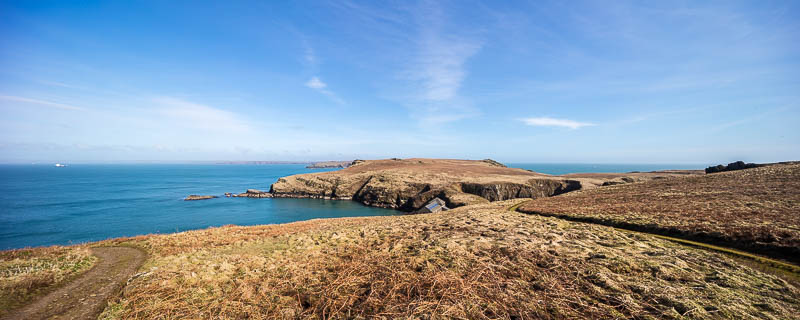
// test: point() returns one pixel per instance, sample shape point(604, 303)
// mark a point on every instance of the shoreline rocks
point(250, 193)
point(193, 197)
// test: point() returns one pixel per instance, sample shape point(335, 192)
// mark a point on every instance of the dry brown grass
point(26, 273)
point(473, 262)
point(755, 209)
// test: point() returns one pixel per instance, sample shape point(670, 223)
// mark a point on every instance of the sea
point(43, 205)
point(566, 168)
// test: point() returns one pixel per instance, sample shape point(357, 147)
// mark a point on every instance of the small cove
point(44, 205)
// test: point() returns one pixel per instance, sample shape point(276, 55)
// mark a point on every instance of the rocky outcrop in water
point(250, 193)
point(193, 197)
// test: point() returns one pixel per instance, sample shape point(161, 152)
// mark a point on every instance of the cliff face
point(408, 184)
point(534, 188)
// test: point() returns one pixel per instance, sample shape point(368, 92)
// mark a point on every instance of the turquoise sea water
point(44, 205)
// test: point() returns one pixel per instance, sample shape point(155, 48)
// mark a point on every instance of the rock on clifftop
point(408, 184)
point(733, 166)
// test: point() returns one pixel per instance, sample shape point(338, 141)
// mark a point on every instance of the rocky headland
point(408, 184)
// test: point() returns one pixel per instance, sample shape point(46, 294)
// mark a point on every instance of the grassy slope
point(756, 209)
point(26, 273)
point(478, 261)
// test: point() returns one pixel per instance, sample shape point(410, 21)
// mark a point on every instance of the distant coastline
point(264, 162)
point(330, 164)
point(310, 164)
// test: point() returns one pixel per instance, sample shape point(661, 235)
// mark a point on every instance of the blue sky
point(567, 81)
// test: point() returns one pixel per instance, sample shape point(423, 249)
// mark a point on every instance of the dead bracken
point(478, 261)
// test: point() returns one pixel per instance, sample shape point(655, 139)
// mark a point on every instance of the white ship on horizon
point(60, 165)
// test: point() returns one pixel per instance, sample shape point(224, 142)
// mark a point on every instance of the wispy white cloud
point(316, 83)
point(41, 103)
point(439, 67)
point(750, 118)
point(553, 122)
point(60, 84)
point(309, 56)
point(199, 116)
point(322, 87)
point(425, 49)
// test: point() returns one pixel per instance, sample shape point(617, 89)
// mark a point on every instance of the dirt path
point(86, 296)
